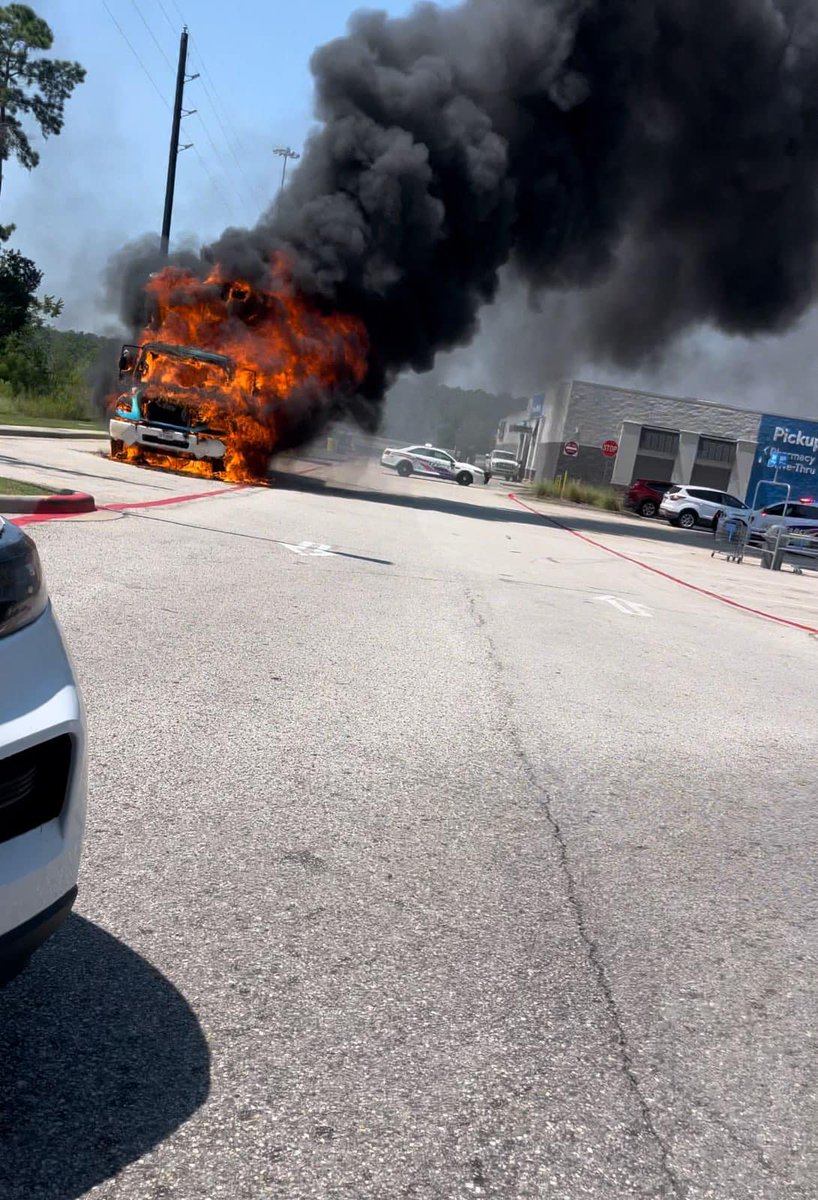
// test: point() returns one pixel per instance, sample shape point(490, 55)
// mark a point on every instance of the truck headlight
point(23, 594)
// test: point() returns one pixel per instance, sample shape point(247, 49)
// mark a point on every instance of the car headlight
point(23, 594)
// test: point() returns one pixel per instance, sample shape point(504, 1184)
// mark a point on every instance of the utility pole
point(178, 112)
point(285, 152)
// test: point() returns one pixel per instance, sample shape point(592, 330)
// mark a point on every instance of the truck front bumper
point(165, 441)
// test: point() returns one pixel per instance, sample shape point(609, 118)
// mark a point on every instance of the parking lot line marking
point(310, 549)
point(630, 607)
point(693, 587)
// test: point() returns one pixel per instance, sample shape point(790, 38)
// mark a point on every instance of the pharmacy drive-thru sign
point(787, 453)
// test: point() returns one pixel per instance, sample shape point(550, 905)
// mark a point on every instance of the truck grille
point(165, 443)
point(33, 786)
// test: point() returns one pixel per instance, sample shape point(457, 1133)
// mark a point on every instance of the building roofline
point(611, 387)
point(754, 412)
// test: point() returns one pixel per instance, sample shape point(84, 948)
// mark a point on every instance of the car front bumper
point(153, 437)
point(39, 867)
point(17, 946)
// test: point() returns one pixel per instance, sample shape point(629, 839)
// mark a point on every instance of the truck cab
point(504, 463)
point(168, 408)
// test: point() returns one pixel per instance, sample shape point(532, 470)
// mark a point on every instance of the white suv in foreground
point(690, 506)
point(42, 760)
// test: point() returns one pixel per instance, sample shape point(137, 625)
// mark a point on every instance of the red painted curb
point(60, 503)
point(693, 587)
point(36, 517)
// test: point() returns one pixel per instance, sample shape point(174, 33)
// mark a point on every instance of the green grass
point(66, 407)
point(580, 493)
point(14, 487)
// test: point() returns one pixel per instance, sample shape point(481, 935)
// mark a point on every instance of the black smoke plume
point(665, 148)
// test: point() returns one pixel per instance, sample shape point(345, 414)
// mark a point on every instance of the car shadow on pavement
point(7, 460)
point(292, 482)
point(624, 525)
point(101, 1058)
point(504, 511)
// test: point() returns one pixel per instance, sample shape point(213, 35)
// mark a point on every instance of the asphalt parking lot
point(438, 847)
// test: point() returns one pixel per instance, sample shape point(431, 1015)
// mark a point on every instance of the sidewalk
point(46, 431)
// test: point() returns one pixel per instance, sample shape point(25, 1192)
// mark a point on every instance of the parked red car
point(645, 495)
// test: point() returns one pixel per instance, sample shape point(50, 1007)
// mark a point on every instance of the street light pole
point(285, 152)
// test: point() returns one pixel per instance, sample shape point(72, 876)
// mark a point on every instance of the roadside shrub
point(66, 400)
point(577, 492)
point(549, 488)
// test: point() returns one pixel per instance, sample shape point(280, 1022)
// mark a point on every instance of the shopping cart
point(730, 537)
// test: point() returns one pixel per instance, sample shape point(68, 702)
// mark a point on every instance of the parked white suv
point(690, 506)
point(42, 760)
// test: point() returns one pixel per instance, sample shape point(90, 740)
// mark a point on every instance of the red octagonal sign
point(610, 448)
point(571, 449)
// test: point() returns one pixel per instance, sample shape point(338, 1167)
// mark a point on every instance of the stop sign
point(610, 448)
point(570, 449)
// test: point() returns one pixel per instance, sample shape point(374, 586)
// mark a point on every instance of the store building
point(612, 435)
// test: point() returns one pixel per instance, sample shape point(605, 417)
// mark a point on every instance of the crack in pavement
point(593, 955)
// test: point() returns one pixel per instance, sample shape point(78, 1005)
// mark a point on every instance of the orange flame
point(284, 350)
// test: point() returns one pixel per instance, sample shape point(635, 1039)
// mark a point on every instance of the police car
point(797, 516)
point(429, 460)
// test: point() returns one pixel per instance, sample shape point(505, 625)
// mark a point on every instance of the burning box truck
point(228, 373)
point(172, 407)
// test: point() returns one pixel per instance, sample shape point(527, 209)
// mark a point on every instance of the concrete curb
point(59, 502)
point(40, 431)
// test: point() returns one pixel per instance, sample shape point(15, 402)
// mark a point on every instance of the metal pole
point(174, 141)
point(286, 153)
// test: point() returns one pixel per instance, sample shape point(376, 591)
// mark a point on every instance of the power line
point(164, 12)
point(231, 138)
point(133, 51)
point(179, 11)
point(209, 82)
point(153, 36)
point(228, 204)
point(213, 145)
point(217, 115)
point(209, 93)
point(240, 165)
point(161, 50)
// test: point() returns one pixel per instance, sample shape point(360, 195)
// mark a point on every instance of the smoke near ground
point(646, 167)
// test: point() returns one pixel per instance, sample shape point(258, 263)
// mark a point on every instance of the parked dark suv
point(645, 495)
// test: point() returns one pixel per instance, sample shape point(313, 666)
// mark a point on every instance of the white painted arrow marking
point(310, 549)
point(629, 607)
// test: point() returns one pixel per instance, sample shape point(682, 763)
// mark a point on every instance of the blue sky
point(101, 182)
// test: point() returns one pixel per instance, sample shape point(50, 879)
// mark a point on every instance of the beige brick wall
point(596, 412)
